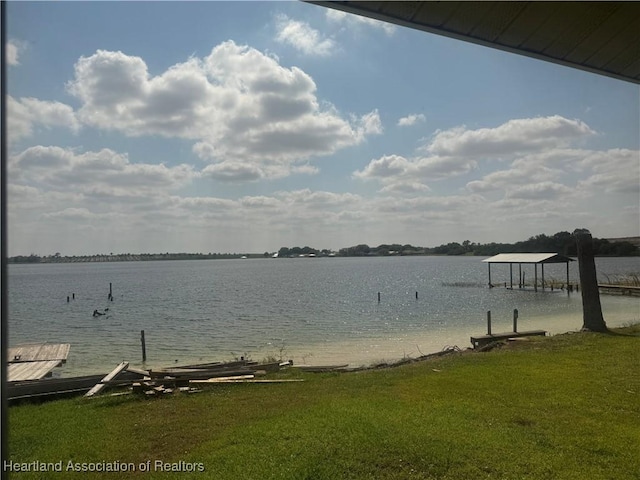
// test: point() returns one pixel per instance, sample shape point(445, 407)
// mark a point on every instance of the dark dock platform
point(482, 340)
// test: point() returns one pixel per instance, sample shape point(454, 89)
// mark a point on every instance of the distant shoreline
point(561, 242)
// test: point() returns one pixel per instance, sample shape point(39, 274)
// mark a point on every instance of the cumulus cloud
point(514, 136)
point(237, 104)
point(351, 20)
point(26, 114)
point(611, 171)
point(538, 191)
point(532, 142)
point(302, 37)
point(12, 51)
point(411, 120)
point(398, 173)
point(90, 172)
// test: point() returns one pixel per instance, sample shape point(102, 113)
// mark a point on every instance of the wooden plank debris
point(99, 386)
point(322, 368)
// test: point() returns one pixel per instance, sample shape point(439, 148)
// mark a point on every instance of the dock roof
point(528, 258)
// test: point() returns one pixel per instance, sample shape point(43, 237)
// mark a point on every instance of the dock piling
point(515, 319)
point(489, 322)
point(144, 346)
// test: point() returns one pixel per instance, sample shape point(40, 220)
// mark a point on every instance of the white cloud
point(103, 172)
point(27, 113)
point(411, 120)
point(13, 48)
point(237, 103)
point(539, 191)
point(399, 173)
point(514, 136)
point(458, 151)
point(612, 171)
point(351, 20)
point(302, 37)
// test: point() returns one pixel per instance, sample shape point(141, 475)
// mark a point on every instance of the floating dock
point(35, 361)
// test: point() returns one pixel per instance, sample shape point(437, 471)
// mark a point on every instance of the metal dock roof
point(528, 258)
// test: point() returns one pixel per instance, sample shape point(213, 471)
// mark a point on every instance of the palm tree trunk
point(591, 309)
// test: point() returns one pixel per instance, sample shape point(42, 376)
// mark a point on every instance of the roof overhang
point(599, 37)
point(528, 258)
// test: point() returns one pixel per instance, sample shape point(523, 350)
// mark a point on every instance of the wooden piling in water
point(515, 319)
point(378, 297)
point(144, 346)
point(489, 322)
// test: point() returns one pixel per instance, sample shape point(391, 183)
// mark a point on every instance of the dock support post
point(378, 297)
point(521, 285)
point(490, 285)
point(489, 322)
point(511, 275)
point(535, 277)
point(567, 276)
point(515, 320)
point(542, 265)
point(144, 346)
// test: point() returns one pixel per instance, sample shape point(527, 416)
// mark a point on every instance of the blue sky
point(248, 126)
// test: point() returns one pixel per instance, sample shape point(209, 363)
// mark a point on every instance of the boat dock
point(35, 361)
point(479, 341)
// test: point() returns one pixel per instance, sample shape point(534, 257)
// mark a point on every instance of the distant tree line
point(561, 242)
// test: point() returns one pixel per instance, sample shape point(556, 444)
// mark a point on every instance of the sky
point(149, 127)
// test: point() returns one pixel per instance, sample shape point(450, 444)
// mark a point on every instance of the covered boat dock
point(527, 258)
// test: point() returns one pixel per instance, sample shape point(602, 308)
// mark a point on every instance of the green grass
point(565, 407)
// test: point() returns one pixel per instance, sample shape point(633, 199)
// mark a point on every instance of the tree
point(593, 320)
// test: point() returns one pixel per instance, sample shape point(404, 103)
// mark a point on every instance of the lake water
point(311, 310)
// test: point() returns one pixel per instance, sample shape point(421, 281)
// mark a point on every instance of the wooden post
point(567, 274)
point(542, 265)
point(489, 322)
point(521, 285)
point(511, 275)
point(489, 274)
point(378, 297)
point(144, 346)
point(535, 277)
point(515, 319)
point(416, 295)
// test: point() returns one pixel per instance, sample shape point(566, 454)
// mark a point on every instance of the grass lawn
point(564, 407)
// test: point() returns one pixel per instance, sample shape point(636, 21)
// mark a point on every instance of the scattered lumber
point(100, 385)
point(322, 368)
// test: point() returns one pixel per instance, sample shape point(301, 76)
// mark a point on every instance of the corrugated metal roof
point(528, 258)
point(600, 37)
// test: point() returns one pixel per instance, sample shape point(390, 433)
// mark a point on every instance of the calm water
point(322, 310)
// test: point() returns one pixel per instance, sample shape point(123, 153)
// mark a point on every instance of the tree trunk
point(591, 309)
